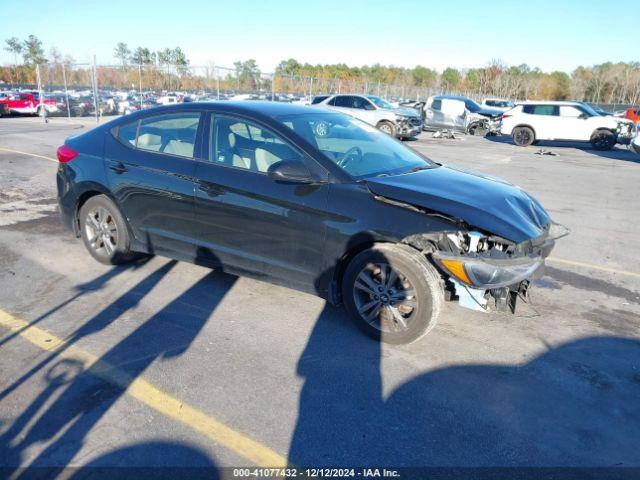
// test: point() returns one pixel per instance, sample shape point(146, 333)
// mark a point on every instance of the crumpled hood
point(480, 200)
point(489, 112)
point(408, 112)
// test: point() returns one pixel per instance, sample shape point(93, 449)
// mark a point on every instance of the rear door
point(342, 103)
point(150, 165)
point(248, 220)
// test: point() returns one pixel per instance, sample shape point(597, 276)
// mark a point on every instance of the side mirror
point(368, 106)
point(291, 171)
point(583, 116)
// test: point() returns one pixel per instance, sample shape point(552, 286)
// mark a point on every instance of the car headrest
point(232, 139)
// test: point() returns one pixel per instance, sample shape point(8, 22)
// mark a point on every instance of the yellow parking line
point(29, 154)
point(150, 395)
point(594, 267)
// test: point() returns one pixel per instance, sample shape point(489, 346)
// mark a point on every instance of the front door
point(251, 222)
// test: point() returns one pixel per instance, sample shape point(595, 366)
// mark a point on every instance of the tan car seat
point(237, 160)
point(176, 147)
point(264, 159)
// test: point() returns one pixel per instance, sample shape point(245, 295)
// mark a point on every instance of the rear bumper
point(67, 200)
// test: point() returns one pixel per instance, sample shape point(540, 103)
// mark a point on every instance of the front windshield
point(589, 109)
point(359, 149)
point(379, 102)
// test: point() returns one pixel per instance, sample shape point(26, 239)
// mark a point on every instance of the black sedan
point(315, 200)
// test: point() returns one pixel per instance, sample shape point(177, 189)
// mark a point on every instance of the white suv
point(397, 122)
point(528, 122)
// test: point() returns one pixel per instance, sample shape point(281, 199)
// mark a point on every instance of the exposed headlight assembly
point(488, 273)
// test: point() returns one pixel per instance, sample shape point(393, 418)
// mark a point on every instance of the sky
point(552, 35)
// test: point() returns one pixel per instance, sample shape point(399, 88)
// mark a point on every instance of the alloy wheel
point(384, 298)
point(101, 231)
point(385, 128)
point(523, 137)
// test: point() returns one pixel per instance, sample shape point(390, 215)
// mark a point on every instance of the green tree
point(33, 53)
point(247, 73)
point(179, 59)
point(423, 76)
point(122, 53)
point(14, 45)
point(288, 67)
point(451, 78)
point(142, 56)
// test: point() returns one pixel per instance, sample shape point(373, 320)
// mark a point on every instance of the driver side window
point(570, 111)
point(241, 144)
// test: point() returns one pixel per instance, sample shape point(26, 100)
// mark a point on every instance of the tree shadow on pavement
point(85, 395)
point(575, 405)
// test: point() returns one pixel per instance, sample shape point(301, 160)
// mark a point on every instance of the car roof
point(453, 97)
point(255, 108)
point(549, 102)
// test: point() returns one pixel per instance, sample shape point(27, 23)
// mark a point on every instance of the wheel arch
point(88, 191)
point(602, 129)
point(358, 244)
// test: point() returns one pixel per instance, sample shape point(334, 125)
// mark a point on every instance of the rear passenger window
point(174, 134)
point(127, 133)
point(548, 110)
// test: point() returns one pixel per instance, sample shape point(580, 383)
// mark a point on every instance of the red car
point(29, 103)
point(633, 114)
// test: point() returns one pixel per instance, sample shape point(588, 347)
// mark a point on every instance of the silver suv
point(397, 122)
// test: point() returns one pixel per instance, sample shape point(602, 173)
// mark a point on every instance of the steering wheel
point(352, 153)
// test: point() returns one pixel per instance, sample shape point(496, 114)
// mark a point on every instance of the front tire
point(523, 136)
point(603, 140)
point(392, 293)
point(387, 127)
point(104, 231)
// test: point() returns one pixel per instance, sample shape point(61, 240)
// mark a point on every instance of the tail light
point(66, 154)
point(505, 115)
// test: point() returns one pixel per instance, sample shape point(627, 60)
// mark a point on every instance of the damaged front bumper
point(625, 132)
point(476, 276)
point(409, 127)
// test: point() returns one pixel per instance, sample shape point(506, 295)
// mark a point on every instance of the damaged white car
point(529, 122)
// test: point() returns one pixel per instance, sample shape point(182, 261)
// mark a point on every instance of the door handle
point(118, 167)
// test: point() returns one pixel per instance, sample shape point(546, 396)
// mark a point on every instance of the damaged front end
point(481, 267)
point(625, 131)
point(478, 124)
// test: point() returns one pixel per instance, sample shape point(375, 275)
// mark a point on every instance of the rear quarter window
point(127, 133)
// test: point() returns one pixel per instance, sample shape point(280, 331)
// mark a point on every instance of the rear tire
point(603, 140)
point(387, 127)
point(104, 231)
point(392, 293)
point(523, 136)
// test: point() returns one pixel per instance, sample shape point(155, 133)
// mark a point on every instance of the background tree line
point(170, 68)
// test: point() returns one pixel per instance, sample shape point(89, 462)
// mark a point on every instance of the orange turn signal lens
point(456, 267)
